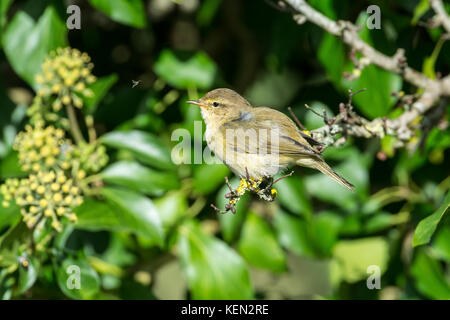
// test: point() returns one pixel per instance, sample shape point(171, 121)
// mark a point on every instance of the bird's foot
point(247, 183)
point(269, 193)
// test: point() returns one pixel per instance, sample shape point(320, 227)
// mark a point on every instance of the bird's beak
point(197, 103)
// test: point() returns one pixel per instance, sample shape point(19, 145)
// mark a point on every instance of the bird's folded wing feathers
point(253, 133)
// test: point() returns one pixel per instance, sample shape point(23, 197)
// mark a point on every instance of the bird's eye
point(215, 104)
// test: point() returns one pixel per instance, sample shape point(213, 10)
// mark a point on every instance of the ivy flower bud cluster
point(64, 80)
point(56, 166)
point(42, 147)
point(92, 156)
point(44, 196)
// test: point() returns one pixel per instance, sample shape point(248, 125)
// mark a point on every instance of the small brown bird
point(258, 142)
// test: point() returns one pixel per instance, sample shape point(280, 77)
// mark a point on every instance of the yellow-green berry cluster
point(66, 75)
point(92, 156)
point(42, 147)
point(44, 196)
point(251, 184)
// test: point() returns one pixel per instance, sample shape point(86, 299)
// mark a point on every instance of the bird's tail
point(326, 169)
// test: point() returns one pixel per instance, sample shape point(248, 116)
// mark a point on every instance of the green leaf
point(429, 277)
point(351, 258)
point(383, 220)
point(136, 212)
point(293, 234)
point(429, 63)
point(207, 11)
point(354, 169)
point(275, 89)
point(27, 275)
point(208, 177)
point(4, 6)
point(441, 243)
point(27, 43)
point(325, 7)
point(213, 269)
point(334, 63)
point(172, 207)
point(231, 223)
point(128, 12)
point(145, 146)
point(293, 196)
point(100, 88)
point(312, 120)
point(198, 71)
point(421, 8)
point(427, 226)
point(97, 215)
point(10, 166)
point(72, 272)
point(9, 215)
point(139, 178)
point(259, 246)
point(377, 100)
point(325, 230)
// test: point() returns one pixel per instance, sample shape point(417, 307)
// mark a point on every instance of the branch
point(348, 32)
point(433, 90)
point(442, 15)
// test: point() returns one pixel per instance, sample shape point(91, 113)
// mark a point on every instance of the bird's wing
point(262, 129)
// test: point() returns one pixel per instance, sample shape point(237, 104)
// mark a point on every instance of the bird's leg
point(233, 196)
point(232, 193)
point(247, 183)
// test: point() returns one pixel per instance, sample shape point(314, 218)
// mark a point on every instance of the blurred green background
point(315, 241)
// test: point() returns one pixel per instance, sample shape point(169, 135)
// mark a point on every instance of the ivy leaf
point(293, 234)
point(421, 8)
point(429, 276)
point(128, 12)
point(333, 63)
point(197, 71)
point(259, 246)
point(139, 178)
point(145, 146)
point(427, 226)
point(207, 177)
point(97, 215)
point(4, 6)
point(172, 207)
point(27, 275)
point(213, 269)
point(377, 100)
point(27, 43)
point(351, 258)
point(292, 195)
point(77, 279)
point(9, 215)
point(136, 212)
point(354, 169)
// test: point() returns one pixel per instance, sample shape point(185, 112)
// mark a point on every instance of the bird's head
point(220, 105)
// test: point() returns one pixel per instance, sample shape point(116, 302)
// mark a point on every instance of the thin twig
point(281, 178)
point(74, 127)
point(296, 119)
point(314, 111)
